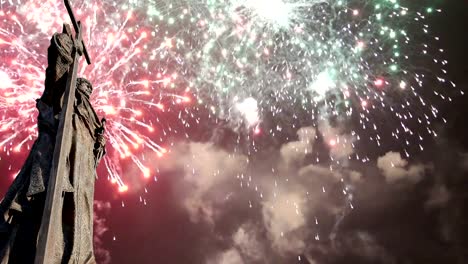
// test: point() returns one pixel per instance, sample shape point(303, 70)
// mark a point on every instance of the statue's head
point(84, 86)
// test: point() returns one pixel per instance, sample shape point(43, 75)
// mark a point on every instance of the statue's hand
point(99, 149)
point(100, 141)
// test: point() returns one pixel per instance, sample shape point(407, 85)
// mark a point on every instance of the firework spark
point(242, 60)
point(132, 88)
point(374, 63)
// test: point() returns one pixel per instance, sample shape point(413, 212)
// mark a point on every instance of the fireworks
point(371, 66)
point(243, 60)
point(132, 90)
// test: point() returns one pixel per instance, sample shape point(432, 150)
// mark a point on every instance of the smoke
point(464, 163)
point(293, 153)
point(438, 197)
point(283, 219)
point(395, 168)
point(101, 211)
point(277, 213)
point(231, 256)
point(208, 173)
point(341, 145)
point(303, 211)
point(247, 240)
point(352, 247)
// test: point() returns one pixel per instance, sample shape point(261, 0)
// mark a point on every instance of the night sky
point(202, 208)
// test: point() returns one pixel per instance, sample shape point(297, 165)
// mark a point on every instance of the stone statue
point(23, 205)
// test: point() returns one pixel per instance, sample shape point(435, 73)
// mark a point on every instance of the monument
point(46, 215)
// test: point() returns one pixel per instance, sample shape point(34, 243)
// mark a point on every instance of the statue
point(21, 210)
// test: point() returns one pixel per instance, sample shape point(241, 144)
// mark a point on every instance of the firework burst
point(373, 66)
point(242, 60)
point(132, 88)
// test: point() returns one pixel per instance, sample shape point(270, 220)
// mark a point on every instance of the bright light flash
point(322, 84)
point(277, 12)
point(5, 81)
point(248, 108)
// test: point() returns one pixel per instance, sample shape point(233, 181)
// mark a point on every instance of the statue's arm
point(59, 58)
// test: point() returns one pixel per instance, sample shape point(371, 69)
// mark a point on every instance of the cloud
point(231, 256)
point(299, 209)
point(315, 172)
point(361, 245)
point(283, 218)
point(291, 208)
point(286, 207)
point(206, 169)
point(246, 247)
point(395, 168)
point(293, 153)
point(341, 145)
point(247, 241)
point(101, 210)
point(464, 162)
point(439, 196)
point(280, 226)
point(355, 176)
point(366, 246)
